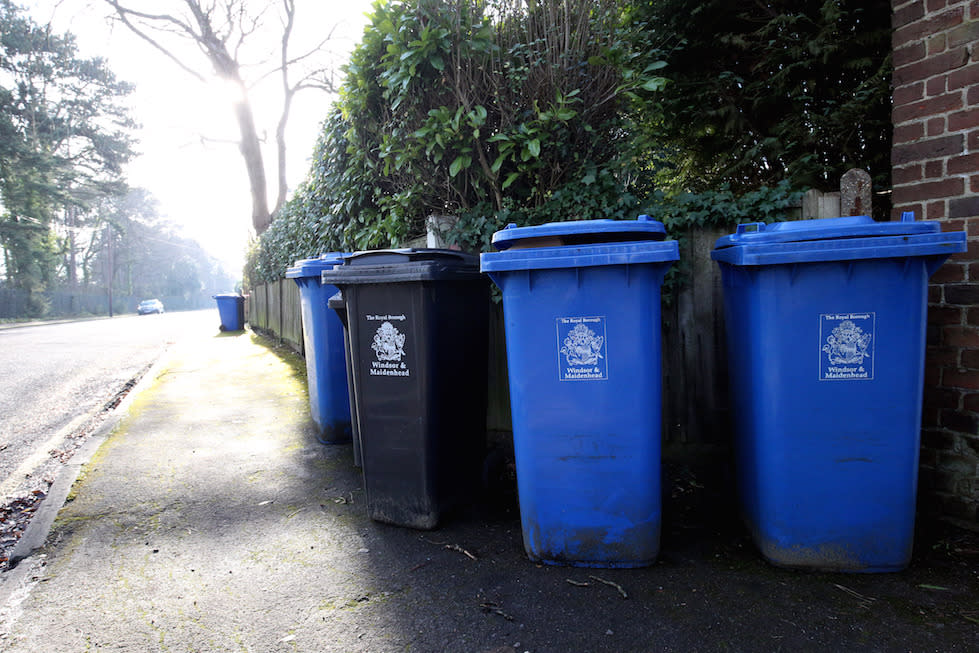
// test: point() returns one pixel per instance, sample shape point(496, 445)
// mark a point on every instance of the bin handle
point(750, 227)
point(907, 216)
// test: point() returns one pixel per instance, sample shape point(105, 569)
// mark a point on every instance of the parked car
point(148, 306)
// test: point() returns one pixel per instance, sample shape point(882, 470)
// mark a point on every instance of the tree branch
point(124, 14)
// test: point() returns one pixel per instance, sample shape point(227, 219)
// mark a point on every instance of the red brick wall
point(935, 162)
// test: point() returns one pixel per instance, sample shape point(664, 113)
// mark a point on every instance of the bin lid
point(859, 226)
point(579, 232)
point(402, 265)
point(829, 239)
point(581, 256)
point(227, 295)
point(312, 267)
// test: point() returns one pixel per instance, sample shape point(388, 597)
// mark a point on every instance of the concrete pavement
point(211, 519)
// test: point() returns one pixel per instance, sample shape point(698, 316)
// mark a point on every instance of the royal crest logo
point(388, 343)
point(847, 344)
point(582, 346)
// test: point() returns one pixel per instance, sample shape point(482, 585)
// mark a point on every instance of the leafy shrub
point(723, 207)
point(504, 111)
point(490, 110)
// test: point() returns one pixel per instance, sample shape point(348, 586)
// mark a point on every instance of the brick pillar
point(935, 161)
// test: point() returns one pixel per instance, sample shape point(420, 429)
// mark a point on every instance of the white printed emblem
point(847, 346)
point(388, 343)
point(582, 348)
point(389, 346)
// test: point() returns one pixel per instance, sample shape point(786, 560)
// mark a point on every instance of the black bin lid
point(404, 265)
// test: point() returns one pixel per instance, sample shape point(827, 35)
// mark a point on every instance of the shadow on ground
point(468, 585)
point(213, 520)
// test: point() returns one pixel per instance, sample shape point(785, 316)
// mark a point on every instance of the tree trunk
point(72, 261)
point(219, 28)
point(251, 151)
point(280, 142)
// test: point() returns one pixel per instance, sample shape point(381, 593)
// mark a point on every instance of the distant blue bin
point(826, 336)
point(326, 370)
point(231, 310)
point(581, 307)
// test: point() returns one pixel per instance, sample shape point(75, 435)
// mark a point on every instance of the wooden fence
point(696, 404)
point(696, 396)
point(275, 308)
point(695, 387)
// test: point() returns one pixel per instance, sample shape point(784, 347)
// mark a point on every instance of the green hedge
point(496, 113)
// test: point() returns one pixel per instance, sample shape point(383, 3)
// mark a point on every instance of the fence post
point(437, 227)
point(266, 317)
point(855, 198)
point(279, 294)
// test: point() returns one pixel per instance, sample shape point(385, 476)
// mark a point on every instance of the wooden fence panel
point(291, 314)
point(696, 404)
point(498, 402)
point(275, 308)
point(260, 313)
point(696, 397)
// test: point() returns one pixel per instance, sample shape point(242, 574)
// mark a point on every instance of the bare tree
point(220, 30)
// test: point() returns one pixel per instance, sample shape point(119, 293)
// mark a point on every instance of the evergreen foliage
point(500, 111)
point(67, 217)
point(64, 137)
point(766, 91)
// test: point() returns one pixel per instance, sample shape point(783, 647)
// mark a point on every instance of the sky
point(188, 157)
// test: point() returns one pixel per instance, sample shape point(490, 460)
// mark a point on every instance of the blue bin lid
point(859, 226)
point(580, 256)
point(312, 267)
point(579, 232)
point(832, 239)
point(231, 295)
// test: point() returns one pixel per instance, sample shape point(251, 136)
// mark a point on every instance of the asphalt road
point(56, 379)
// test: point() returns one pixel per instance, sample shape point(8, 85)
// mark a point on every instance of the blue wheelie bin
point(581, 304)
point(231, 310)
point(826, 339)
point(326, 370)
